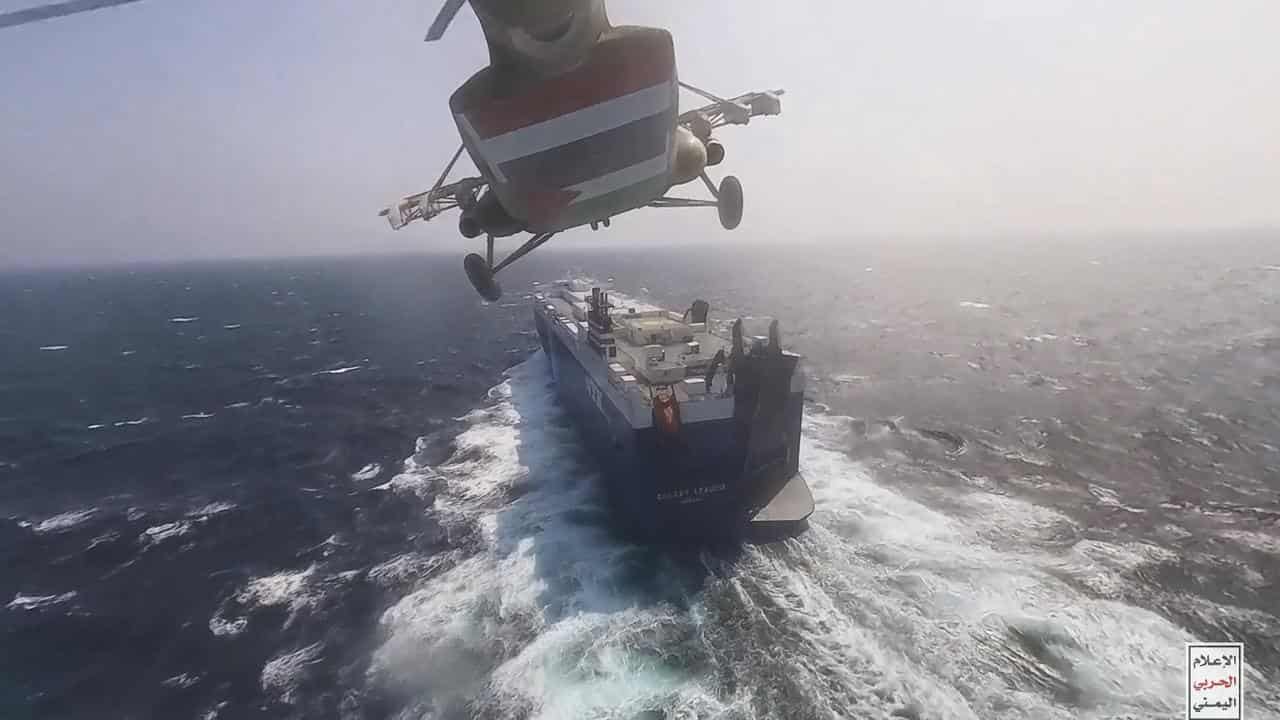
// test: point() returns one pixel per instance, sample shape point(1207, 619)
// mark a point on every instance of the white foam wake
point(38, 602)
point(539, 618)
point(65, 521)
point(157, 534)
point(368, 472)
point(282, 675)
point(960, 615)
point(295, 590)
point(885, 608)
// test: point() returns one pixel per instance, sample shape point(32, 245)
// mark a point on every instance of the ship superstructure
point(698, 434)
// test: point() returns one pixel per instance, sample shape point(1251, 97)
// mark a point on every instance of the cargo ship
point(697, 435)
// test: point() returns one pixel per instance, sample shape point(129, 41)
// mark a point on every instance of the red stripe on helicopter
point(616, 67)
point(544, 205)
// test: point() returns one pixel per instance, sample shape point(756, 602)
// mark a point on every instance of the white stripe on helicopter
point(579, 124)
point(619, 179)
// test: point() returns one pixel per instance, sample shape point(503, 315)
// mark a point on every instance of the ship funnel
point(697, 312)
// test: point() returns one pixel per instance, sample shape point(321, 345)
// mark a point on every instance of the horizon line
point(601, 244)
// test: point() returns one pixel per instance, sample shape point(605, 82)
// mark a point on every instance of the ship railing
point(688, 390)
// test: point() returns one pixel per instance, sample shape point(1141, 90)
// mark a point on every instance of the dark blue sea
point(343, 488)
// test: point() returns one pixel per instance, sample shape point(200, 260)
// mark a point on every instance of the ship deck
point(686, 348)
point(735, 475)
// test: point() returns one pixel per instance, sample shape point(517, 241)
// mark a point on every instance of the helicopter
point(573, 121)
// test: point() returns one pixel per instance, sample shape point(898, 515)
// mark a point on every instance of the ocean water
point(343, 488)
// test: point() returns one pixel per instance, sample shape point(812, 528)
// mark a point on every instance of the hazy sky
point(176, 128)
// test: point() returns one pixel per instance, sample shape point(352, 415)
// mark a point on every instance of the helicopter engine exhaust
point(469, 227)
point(691, 156)
point(715, 153)
point(488, 217)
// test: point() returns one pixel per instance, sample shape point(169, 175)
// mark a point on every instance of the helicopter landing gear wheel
point(481, 270)
point(480, 274)
point(729, 202)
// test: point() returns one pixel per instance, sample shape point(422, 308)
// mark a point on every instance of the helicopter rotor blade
point(55, 10)
point(438, 26)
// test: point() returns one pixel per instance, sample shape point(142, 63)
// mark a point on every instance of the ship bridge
point(642, 345)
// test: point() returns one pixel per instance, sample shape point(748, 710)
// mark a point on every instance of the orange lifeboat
point(666, 411)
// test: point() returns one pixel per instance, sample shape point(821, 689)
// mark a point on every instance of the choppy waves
point(887, 608)
point(500, 591)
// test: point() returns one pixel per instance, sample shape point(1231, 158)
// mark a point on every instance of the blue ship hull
point(706, 482)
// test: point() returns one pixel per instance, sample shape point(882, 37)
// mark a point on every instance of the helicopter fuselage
point(577, 146)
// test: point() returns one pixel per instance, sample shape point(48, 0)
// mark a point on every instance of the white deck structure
point(649, 348)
